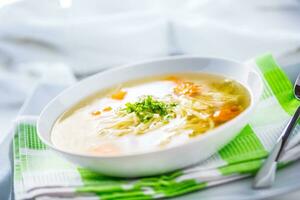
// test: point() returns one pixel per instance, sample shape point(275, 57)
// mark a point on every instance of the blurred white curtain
point(90, 35)
point(95, 34)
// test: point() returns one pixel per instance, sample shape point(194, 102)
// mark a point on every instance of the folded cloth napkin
point(41, 174)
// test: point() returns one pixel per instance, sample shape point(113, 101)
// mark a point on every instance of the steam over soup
point(149, 114)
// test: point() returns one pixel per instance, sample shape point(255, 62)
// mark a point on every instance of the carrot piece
point(187, 88)
point(96, 112)
point(106, 109)
point(105, 149)
point(173, 79)
point(119, 95)
point(226, 113)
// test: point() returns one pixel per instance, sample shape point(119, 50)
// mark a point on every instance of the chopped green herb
point(147, 107)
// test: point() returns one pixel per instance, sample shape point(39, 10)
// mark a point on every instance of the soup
point(149, 114)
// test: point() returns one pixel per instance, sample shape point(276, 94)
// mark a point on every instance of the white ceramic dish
point(160, 161)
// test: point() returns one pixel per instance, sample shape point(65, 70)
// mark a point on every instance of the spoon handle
point(266, 174)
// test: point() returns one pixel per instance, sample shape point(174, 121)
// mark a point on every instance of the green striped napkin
point(38, 173)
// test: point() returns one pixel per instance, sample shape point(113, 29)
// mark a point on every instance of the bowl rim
point(208, 134)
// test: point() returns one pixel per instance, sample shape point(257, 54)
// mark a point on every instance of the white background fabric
point(96, 34)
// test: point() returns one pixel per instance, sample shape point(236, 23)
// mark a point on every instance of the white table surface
point(7, 115)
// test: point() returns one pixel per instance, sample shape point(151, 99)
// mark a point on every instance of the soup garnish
point(119, 95)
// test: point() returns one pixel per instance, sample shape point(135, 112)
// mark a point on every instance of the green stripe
point(135, 195)
point(30, 138)
point(246, 146)
point(111, 188)
point(162, 180)
point(22, 142)
point(241, 168)
point(249, 167)
point(182, 188)
point(16, 152)
point(278, 82)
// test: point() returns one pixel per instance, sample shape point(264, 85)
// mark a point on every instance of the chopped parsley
point(147, 107)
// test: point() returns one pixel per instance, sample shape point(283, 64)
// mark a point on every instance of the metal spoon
point(266, 174)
